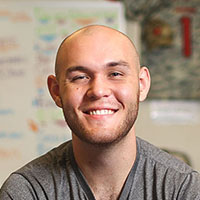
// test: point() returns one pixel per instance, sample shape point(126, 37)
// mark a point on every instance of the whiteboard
point(30, 122)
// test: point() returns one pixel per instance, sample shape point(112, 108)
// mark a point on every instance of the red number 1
point(186, 23)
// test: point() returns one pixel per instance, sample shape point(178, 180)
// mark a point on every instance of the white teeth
point(101, 112)
point(110, 112)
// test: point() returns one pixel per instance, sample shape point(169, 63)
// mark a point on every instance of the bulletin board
point(170, 46)
point(30, 123)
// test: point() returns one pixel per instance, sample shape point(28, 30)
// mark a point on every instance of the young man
point(99, 84)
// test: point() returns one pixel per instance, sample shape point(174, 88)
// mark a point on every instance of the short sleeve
point(190, 189)
point(17, 187)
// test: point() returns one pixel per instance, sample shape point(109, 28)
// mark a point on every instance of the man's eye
point(80, 77)
point(116, 74)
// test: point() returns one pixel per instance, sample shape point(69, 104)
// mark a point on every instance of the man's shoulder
point(165, 175)
point(157, 156)
point(53, 159)
point(41, 178)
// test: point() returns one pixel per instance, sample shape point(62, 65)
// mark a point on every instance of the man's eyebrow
point(76, 68)
point(117, 63)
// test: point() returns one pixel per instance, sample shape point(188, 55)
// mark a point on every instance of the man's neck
point(106, 168)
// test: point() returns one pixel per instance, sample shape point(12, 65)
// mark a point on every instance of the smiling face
point(98, 86)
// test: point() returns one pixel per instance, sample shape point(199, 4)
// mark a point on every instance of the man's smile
point(101, 112)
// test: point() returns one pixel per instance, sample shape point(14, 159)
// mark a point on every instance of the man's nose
point(98, 88)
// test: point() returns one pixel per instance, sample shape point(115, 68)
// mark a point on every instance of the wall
point(174, 136)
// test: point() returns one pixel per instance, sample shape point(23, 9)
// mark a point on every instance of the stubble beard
point(78, 128)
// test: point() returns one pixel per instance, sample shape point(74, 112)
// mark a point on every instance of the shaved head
point(91, 30)
point(99, 84)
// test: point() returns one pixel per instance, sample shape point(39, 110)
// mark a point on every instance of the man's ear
point(54, 89)
point(145, 82)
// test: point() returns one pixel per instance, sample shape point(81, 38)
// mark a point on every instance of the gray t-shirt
point(55, 176)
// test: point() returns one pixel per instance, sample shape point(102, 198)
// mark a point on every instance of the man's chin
point(101, 141)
